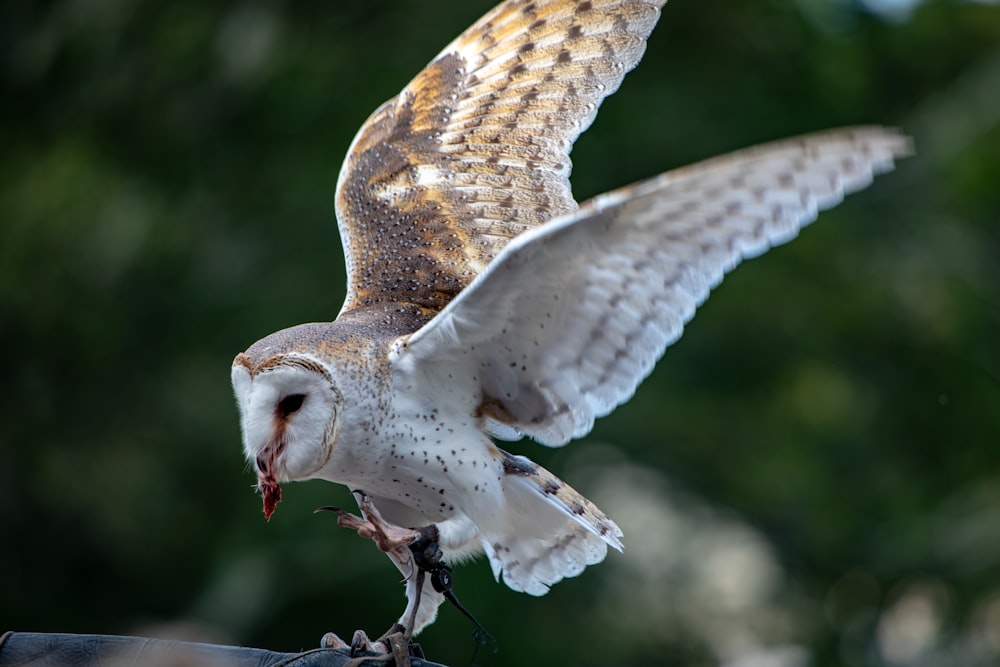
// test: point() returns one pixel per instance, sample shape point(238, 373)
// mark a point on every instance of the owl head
point(289, 406)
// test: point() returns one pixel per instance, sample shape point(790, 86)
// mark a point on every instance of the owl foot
point(388, 537)
point(393, 647)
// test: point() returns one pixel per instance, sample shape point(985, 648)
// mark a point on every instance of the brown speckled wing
point(475, 150)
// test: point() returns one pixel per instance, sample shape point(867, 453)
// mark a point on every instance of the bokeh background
point(811, 476)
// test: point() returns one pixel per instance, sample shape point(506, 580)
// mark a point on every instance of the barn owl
point(485, 304)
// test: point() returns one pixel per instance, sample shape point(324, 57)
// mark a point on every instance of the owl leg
point(421, 556)
point(414, 552)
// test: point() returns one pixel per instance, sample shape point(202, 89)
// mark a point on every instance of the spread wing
point(475, 150)
point(563, 325)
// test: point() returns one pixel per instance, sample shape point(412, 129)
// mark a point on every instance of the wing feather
point(475, 150)
point(577, 312)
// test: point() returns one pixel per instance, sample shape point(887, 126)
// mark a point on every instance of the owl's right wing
point(569, 319)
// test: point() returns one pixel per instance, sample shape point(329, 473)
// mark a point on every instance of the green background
point(811, 473)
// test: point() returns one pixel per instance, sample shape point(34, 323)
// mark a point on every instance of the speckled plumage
point(484, 302)
point(475, 150)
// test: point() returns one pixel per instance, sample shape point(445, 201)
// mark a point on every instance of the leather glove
point(37, 649)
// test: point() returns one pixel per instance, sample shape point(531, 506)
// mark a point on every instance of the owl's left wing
point(570, 317)
point(475, 150)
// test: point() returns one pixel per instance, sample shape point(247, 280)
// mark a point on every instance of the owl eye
point(290, 404)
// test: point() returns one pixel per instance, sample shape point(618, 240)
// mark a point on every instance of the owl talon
point(362, 646)
point(332, 640)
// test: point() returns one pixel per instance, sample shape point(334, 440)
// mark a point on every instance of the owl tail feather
point(548, 531)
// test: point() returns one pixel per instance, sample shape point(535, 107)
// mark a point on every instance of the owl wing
point(475, 150)
point(570, 317)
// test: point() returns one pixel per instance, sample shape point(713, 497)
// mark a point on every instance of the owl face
point(288, 414)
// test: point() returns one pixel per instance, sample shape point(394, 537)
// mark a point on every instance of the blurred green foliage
point(812, 472)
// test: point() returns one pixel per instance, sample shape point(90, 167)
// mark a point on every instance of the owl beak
point(267, 463)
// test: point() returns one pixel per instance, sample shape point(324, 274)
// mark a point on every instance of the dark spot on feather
point(552, 486)
point(513, 465)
